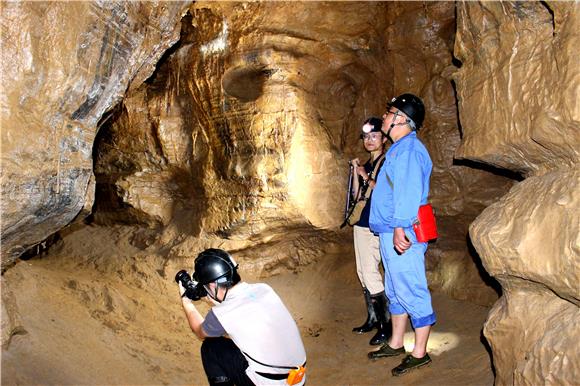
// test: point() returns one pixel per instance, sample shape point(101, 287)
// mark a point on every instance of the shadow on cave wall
point(512, 175)
point(483, 274)
point(115, 156)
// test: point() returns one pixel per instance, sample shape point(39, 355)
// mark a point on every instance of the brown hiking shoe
point(386, 351)
point(410, 363)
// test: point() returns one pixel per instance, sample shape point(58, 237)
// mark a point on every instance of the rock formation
point(518, 93)
point(244, 129)
point(268, 149)
point(64, 65)
point(231, 124)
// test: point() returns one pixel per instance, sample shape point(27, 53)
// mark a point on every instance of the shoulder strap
point(378, 165)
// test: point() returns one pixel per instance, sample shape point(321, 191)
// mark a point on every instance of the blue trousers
point(405, 280)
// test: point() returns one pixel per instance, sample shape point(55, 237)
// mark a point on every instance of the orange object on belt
point(295, 376)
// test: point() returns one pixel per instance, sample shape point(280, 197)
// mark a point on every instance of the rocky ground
point(98, 312)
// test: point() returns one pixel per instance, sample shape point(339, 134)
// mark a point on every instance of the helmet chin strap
point(393, 124)
point(388, 133)
point(214, 296)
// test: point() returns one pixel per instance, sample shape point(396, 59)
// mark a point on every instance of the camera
point(193, 290)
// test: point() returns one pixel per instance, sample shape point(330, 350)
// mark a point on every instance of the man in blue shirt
point(401, 187)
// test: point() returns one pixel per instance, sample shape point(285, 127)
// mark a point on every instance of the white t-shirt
point(261, 326)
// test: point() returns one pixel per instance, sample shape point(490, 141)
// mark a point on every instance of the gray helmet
point(215, 265)
point(412, 106)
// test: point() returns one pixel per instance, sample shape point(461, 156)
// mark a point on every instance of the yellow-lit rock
point(518, 85)
point(64, 65)
point(244, 129)
point(535, 237)
point(237, 134)
point(243, 132)
point(253, 121)
point(518, 100)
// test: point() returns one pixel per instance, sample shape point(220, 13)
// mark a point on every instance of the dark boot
point(384, 327)
point(371, 316)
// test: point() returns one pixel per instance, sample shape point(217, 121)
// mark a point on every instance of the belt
point(276, 377)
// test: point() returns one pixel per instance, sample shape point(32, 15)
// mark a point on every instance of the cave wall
point(64, 65)
point(244, 129)
point(518, 93)
point(247, 123)
point(249, 120)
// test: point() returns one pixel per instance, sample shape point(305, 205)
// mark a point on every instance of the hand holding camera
point(188, 287)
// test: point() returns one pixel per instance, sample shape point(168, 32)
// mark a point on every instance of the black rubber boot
point(384, 327)
point(371, 321)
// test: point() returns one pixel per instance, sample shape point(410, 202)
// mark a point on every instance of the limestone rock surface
point(244, 128)
point(533, 335)
point(518, 104)
point(518, 84)
point(249, 117)
point(535, 237)
point(232, 126)
point(64, 65)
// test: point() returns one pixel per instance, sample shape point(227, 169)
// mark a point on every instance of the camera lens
point(182, 276)
point(192, 290)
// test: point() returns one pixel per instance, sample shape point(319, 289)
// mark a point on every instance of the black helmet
point(215, 265)
point(412, 106)
point(371, 125)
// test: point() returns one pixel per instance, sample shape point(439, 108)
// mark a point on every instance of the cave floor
point(82, 320)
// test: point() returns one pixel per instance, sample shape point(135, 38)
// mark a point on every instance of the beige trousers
point(368, 259)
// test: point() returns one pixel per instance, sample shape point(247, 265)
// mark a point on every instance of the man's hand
point(181, 289)
point(184, 299)
point(400, 240)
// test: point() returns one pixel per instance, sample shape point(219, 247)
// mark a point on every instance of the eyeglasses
point(372, 136)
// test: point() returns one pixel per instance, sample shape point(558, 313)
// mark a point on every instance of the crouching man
point(263, 345)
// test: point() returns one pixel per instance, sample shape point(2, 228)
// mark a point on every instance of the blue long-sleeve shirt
point(409, 166)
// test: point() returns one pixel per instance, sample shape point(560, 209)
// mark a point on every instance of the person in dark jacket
point(366, 244)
